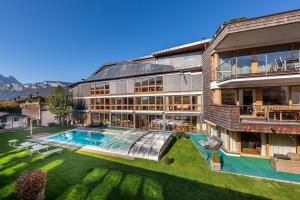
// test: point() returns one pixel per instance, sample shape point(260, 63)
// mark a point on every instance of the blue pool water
point(82, 137)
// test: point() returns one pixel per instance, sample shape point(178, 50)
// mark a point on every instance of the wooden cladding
point(178, 82)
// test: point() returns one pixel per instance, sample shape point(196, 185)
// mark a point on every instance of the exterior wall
point(47, 117)
point(177, 82)
point(184, 60)
point(282, 144)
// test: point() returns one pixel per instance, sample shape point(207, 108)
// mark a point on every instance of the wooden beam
point(267, 146)
point(238, 142)
point(259, 100)
point(298, 144)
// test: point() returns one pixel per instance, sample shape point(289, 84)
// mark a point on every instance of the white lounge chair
point(53, 151)
point(12, 143)
point(37, 148)
point(25, 145)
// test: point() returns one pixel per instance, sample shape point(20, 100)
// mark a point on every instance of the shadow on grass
point(79, 176)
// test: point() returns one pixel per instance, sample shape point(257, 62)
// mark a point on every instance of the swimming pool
point(82, 138)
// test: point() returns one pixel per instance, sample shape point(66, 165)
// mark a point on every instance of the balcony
point(259, 65)
point(270, 113)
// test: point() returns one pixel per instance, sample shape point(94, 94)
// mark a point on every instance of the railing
point(268, 64)
point(149, 107)
point(270, 113)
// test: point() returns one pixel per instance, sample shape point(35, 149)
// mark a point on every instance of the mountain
point(11, 88)
point(8, 80)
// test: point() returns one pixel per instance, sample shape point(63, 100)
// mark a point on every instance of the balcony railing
point(150, 107)
point(268, 64)
point(270, 113)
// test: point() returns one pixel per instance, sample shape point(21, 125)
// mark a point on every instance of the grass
point(82, 175)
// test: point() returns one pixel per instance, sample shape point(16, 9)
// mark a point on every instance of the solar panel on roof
point(129, 68)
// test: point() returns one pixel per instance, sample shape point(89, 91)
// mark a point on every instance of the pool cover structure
point(149, 145)
point(250, 166)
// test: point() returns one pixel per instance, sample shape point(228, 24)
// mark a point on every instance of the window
point(228, 97)
point(16, 119)
point(159, 80)
point(177, 99)
point(149, 85)
point(100, 88)
point(4, 120)
point(186, 100)
point(194, 99)
point(151, 100)
point(275, 95)
point(296, 95)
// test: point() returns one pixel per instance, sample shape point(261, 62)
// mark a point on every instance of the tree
point(60, 103)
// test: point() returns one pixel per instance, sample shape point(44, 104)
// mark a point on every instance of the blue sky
point(67, 40)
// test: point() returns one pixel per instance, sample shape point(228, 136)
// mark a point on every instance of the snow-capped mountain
point(11, 88)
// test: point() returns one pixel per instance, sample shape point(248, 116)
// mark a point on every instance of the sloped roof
point(2, 114)
point(128, 69)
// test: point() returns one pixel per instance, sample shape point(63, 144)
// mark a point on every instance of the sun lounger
point(53, 151)
point(37, 148)
point(25, 145)
point(12, 143)
point(213, 143)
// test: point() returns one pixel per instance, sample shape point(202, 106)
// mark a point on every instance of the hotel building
point(162, 91)
point(251, 85)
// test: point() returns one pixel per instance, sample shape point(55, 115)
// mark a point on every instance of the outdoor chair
point(25, 145)
point(37, 148)
point(12, 143)
point(213, 143)
point(50, 152)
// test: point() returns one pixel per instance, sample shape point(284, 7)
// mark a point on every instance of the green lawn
point(81, 175)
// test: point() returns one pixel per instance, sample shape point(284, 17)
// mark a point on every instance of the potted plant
point(215, 161)
point(181, 136)
point(31, 185)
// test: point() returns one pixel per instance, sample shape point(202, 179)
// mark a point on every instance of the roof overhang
point(273, 35)
point(199, 45)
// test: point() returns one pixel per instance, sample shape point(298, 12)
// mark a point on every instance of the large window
point(228, 97)
point(275, 95)
point(296, 95)
point(122, 120)
point(149, 85)
point(182, 123)
point(101, 88)
point(183, 103)
point(251, 143)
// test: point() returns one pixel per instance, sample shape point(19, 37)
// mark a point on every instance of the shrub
point(31, 184)
point(52, 124)
point(215, 158)
point(181, 135)
point(2, 126)
point(168, 160)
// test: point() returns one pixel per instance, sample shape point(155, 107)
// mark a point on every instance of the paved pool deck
point(249, 166)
